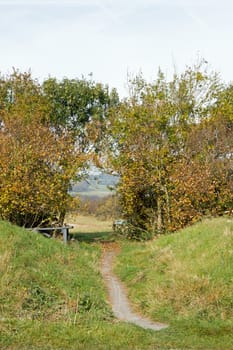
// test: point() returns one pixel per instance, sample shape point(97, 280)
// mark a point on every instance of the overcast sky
point(112, 37)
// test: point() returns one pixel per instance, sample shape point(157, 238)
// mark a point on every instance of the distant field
point(93, 193)
point(97, 185)
point(85, 224)
point(89, 228)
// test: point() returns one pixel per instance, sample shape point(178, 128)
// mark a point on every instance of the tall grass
point(52, 296)
point(43, 279)
point(185, 278)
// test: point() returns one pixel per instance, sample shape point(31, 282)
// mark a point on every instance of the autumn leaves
point(171, 142)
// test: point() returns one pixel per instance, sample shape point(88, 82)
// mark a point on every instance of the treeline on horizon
point(171, 143)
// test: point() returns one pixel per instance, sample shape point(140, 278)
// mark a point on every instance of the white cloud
point(109, 37)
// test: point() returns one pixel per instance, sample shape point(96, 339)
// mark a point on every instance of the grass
point(89, 229)
point(97, 193)
point(185, 279)
point(44, 282)
point(52, 296)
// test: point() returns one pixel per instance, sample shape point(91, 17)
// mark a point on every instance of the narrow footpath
point(117, 293)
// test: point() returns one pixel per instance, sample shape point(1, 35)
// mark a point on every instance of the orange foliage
point(36, 165)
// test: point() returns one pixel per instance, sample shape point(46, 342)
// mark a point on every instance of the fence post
point(65, 232)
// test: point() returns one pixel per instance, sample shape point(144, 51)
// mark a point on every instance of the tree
point(147, 138)
point(48, 134)
point(79, 106)
point(203, 179)
point(36, 166)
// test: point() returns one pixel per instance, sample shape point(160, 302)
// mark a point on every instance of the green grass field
point(186, 280)
point(52, 296)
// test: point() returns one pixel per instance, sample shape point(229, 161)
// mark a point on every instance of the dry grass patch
point(88, 224)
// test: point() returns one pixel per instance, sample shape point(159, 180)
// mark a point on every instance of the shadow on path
point(91, 237)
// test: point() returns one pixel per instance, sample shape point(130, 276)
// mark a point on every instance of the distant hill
point(97, 184)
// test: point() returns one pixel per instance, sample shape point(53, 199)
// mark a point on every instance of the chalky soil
point(118, 297)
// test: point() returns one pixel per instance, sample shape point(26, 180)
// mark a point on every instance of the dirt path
point(117, 293)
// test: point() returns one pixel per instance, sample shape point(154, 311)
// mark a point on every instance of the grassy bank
point(46, 286)
point(52, 296)
point(186, 279)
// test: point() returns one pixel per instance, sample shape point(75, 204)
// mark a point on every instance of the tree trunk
point(168, 207)
point(159, 215)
